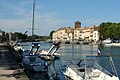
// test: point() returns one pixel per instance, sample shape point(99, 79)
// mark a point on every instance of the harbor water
point(71, 54)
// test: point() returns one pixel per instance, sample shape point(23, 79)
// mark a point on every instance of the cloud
point(44, 24)
point(14, 25)
point(21, 19)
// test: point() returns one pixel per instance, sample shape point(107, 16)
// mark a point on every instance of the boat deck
point(80, 70)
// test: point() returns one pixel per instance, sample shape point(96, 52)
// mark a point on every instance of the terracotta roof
point(83, 28)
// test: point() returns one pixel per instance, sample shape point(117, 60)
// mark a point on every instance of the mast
point(33, 20)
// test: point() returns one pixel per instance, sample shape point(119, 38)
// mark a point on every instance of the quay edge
point(9, 68)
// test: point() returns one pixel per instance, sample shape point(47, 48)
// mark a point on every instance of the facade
point(95, 36)
point(77, 33)
point(63, 34)
point(82, 33)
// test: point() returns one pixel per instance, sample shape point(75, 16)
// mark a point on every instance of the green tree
point(51, 33)
point(19, 36)
point(109, 29)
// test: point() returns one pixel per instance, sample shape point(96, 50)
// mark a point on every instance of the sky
point(16, 15)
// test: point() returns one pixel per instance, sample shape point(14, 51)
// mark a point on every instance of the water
point(71, 53)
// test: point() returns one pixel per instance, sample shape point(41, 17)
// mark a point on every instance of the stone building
point(63, 34)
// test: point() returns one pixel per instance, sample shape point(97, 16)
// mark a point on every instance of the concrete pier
point(9, 68)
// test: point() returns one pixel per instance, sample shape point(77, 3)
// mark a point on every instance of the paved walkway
point(9, 69)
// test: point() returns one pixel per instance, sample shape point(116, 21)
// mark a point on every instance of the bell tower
point(77, 24)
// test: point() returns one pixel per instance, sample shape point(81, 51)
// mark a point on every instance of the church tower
point(77, 24)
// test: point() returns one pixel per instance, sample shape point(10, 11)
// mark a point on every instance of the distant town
point(68, 34)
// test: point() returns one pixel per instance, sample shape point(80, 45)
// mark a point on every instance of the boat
point(34, 64)
point(112, 44)
point(109, 43)
point(17, 49)
point(89, 69)
point(51, 53)
point(30, 61)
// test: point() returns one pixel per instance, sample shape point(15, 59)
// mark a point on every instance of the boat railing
point(114, 72)
point(102, 69)
point(53, 48)
point(113, 66)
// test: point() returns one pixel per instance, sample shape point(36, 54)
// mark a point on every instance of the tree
point(18, 36)
point(109, 30)
point(51, 33)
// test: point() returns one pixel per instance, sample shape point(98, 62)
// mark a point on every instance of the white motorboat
point(112, 44)
point(109, 43)
point(88, 69)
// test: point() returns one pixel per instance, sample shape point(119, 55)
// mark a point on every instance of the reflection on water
point(73, 53)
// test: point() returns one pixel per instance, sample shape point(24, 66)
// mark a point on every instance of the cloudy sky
point(16, 15)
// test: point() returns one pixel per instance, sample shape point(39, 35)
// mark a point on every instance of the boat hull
point(96, 74)
point(112, 44)
point(35, 64)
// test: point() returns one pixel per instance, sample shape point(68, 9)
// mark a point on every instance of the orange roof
point(83, 28)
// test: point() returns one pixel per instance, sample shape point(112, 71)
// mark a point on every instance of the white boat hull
point(112, 44)
point(89, 69)
point(96, 74)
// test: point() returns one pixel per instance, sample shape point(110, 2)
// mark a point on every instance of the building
point(77, 33)
point(63, 34)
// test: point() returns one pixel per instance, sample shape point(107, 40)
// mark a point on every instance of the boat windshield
point(35, 47)
point(92, 62)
